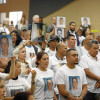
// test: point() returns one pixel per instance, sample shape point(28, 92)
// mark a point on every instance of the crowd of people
point(58, 68)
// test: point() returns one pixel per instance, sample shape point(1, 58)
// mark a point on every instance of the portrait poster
point(38, 32)
point(85, 21)
point(59, 32)
point(61, 22)
point(48, 89)
point(6, 48)
point(74, 85)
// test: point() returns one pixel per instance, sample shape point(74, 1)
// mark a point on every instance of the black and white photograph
point(59, 32)
point(61, 22)
point(6, 48)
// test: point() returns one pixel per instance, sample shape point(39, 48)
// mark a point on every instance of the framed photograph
point(85, 21)
point(38, 32)
point(6, 48)
point(61, 22)
point(59, 32)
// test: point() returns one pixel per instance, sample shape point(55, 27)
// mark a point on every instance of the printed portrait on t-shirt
point(48, 84)
point(59, 32)
point(16, 91)
point(74, 85)
point(32, 55)
point(48, 89)
point(61, 22)
point(85, 21)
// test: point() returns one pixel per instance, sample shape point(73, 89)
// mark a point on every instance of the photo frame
point(6, 48)
point(38, 32)
point(85, 21)
point(59, 32)
point(61, 22)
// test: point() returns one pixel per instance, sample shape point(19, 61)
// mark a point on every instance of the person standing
point(91, 64)
point(64, 78)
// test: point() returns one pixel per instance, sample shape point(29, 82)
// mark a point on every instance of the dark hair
point(85, 19)
point(7, 69)
point(39, 56)
point(22, 96)
point(2, 33)
point(84, 30)
point(72, 23)
point(91, 42)
point(70, 35)
point(59, 29)
point(69, 50)
point(19, 39)
point(5, 38)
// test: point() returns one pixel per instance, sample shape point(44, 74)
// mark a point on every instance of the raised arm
point(12, 69)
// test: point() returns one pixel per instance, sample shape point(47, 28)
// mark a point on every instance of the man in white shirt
point(91, 65)
point(5, 27)
point(66, 77)
point(85, 48)
point(70, 39)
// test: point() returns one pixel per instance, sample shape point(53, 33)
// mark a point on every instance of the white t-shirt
point(94, 66)
point(15, 86)
point(50, 52)
point(84, 51)
point(65, 76)
point(4, 29)
point(81, 38)
point(55, 63)
point(43, 90)
point(3, 75)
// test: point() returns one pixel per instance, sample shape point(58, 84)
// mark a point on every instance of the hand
point(13, 58)
point(44, 44)
point(79, 98)
point(97, 85)
point(27, 42)
point(33, 73)
point(28, 70)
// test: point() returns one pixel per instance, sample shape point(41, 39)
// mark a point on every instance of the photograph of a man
point(61, 22)
point(85, 21)
point(5, 44)
point(59, 32)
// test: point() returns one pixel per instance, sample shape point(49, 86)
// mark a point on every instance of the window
point(15, 17)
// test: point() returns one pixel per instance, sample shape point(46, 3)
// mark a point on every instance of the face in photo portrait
point(49, 84)
point(85, 21)
point(61, 22)
point(75, 83)
point(5, 44)
point(59, 32)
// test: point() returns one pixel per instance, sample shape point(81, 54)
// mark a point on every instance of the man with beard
point(72, 26)
point(65, 75)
